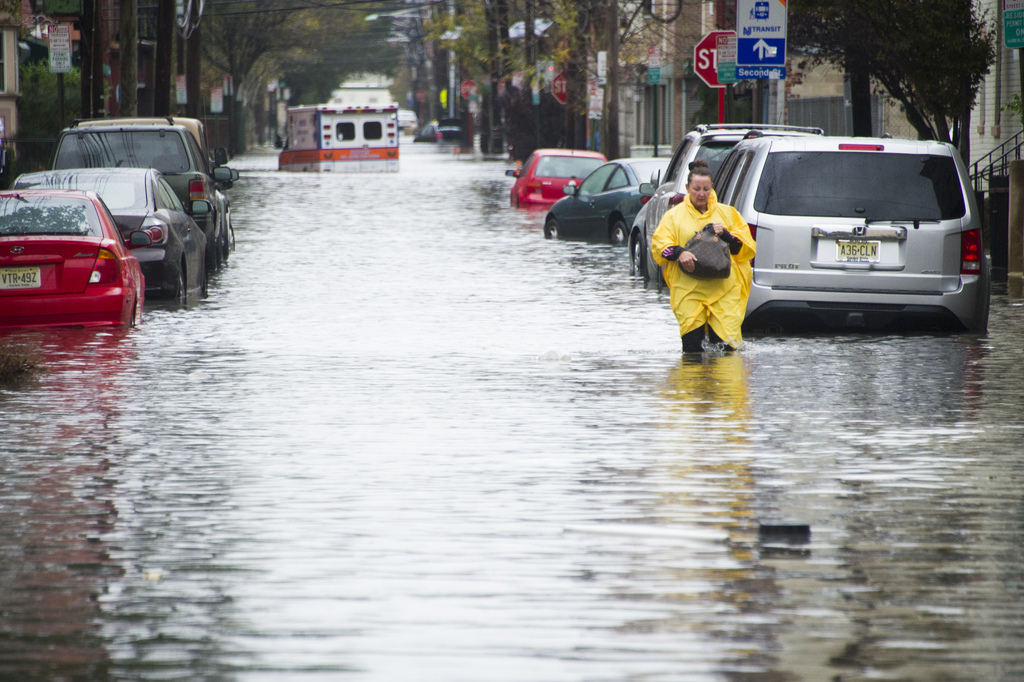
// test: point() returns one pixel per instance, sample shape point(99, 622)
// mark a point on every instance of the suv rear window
point(871, 185)
point(164, 151)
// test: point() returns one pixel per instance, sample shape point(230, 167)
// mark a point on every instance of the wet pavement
point(407, 438)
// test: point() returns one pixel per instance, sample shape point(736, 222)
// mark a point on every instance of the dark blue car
point(603, 206)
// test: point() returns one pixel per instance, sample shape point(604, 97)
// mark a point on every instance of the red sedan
point(547, 171)
point(64, 262)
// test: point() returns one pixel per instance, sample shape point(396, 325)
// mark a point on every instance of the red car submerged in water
point(64, 262)
point(546, 171)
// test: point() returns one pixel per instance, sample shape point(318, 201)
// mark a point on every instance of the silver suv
point(859, 233)
point(709, 142)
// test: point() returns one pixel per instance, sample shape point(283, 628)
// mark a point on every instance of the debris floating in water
point(554, 355)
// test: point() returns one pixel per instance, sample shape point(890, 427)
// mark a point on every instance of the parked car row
point(132, 208)
point(872, 234)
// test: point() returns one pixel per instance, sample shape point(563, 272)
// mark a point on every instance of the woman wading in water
point(704, 307)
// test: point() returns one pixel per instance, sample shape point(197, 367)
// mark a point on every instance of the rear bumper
point(779, 310)
point(105, 307)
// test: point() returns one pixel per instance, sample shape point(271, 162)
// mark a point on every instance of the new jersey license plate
point(856, 251)
point(20, 278)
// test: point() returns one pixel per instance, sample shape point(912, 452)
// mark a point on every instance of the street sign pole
point(654, 78)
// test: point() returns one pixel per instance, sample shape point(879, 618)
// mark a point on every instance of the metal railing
point(997, 161)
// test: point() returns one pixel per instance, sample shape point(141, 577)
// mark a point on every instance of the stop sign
point(559, 89)
point(705, 58)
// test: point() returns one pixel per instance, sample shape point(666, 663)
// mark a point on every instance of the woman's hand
point(719, 227)
point(687, 261)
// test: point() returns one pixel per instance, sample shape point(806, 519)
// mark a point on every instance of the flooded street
point(407, 438)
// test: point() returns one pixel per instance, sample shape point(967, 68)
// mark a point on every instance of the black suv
point(168, 147)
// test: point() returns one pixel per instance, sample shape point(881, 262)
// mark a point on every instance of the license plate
point(856, 252)
point(20, 278)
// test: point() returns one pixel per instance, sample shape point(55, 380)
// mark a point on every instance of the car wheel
point(619, 234)
point(204, 280)
point(212, 256)
point(551, 229)
point(637, 260)
point(225, 248)
point(515, 201)
point(181, 295)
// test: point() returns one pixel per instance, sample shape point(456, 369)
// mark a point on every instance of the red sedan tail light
point(106, 270)
point(644, 199)
point(970, 252)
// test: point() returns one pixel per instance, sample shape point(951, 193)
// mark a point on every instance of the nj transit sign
point(761, 33)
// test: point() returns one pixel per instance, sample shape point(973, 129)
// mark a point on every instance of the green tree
point(37, 107)
point(931, 56)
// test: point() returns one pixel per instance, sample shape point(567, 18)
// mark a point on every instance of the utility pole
point(531, 60)
point(164, 48)
point(193, 108)
point(612, 88)
point(86, 47)
point(129, 42)
point(98, 44)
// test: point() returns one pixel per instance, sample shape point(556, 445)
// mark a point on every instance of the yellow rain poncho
point(721, 303)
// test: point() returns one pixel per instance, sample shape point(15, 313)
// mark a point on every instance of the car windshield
point(566, 166)
point(866, 185)
point(118, 193)
point(35, 215)
point(158, 149)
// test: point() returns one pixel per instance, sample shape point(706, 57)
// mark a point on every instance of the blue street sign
point(760, 34)
point(761, 52)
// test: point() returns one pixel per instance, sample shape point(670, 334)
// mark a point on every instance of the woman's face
point(699, 190)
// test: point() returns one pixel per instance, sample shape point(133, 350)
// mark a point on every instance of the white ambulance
point(341, 139)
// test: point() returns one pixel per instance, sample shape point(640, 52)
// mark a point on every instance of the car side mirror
point(220, 156)
point(656, 178)
point(222, 174)
point(512, 173)
point(570, 190)
point(234, 175)
point(137, 239)
point(646, 189)
point(201, 207)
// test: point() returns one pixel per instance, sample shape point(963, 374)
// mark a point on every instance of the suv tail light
point(644, 199)
point(970, 252)
point(196, 190)
point(753, 234)
point(106, 270)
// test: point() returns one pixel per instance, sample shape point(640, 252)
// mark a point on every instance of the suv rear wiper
point(916, 221)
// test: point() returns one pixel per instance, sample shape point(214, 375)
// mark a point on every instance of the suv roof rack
point(707, 127)
point(113, 121)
